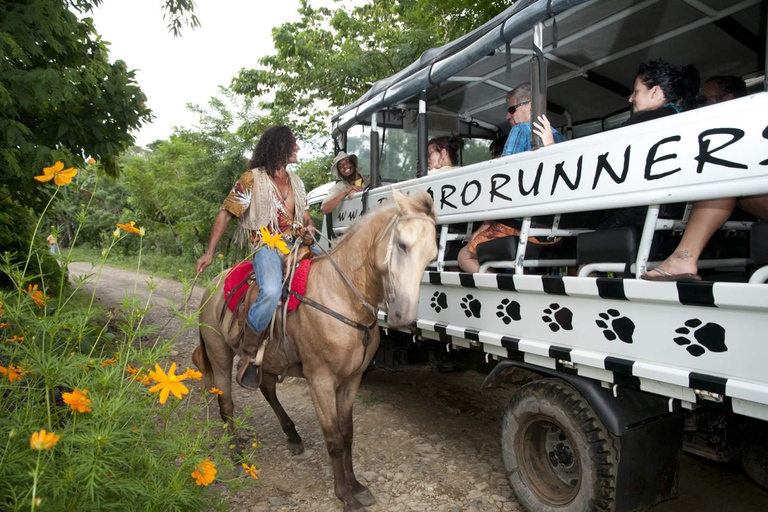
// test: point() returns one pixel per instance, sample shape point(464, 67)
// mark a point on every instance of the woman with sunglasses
point(519, 116)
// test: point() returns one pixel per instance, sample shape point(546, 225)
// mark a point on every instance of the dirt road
point(424, 441)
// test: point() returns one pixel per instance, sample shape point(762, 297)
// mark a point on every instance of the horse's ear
point(418, 202)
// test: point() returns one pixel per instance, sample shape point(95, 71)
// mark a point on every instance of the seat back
point(617, 245)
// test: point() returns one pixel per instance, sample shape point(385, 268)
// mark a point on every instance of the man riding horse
point(267, 201)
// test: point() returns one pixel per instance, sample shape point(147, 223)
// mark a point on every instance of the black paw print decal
point(557, 318)
point(616, 326)
point(508, 310)
point(471, 306)
point(439, 301)
point(708, 337)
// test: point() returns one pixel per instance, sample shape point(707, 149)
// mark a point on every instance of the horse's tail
point(200, 359)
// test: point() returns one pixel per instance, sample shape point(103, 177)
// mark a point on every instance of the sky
point(188, 69)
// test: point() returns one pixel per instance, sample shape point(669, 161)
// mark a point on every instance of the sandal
point(666, 276)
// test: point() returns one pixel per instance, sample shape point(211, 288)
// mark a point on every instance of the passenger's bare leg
point(706, 218)
point(755, 205)
point(468, 262)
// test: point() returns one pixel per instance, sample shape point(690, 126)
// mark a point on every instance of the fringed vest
point(263, 212)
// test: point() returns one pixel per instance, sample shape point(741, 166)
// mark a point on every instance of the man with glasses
point(721, 88)
point(519, 116)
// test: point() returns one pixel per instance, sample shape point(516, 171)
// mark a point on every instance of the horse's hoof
point(366, 498)
point(356, 506)
point(296, 449)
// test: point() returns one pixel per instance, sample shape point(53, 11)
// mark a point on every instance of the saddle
point(239, 299)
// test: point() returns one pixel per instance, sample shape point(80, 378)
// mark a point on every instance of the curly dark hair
point(680, 84)
point(273, 150)
point(451, 144)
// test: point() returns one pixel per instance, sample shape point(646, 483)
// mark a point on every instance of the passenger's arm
point(330, 203)
point(219, 225)
point(543, 129)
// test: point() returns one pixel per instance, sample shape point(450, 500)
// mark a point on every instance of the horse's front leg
point(345, 398)
point(323, 391)
point(268, 389)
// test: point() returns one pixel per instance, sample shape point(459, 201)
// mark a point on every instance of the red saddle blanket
point(242, 270)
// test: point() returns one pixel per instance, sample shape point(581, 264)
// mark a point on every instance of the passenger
point(519, 116)
point(348, 181)
point(721, 88)
point(496, 148)
point(443, 154)
point(707, 216)
point(518, 141)
point(661, 89)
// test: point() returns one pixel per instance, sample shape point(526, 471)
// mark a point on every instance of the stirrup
point(248, 375)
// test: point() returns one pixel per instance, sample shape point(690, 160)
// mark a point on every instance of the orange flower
point(168, 383)
point(131, 370)
point(193, 374)
point(43, 440)
point(2, 311)
point(216, 391)
point(129, 227)
point(144, 379)
point(4, 324)
point(251, 470)
point(57, 174)
point(15, 338)
point(12, 372)
point(108, 362)
point(204, 472)
point(36, 295)
point(91, 161)
point(78, 400)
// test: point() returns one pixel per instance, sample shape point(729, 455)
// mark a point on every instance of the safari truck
point(623, 373)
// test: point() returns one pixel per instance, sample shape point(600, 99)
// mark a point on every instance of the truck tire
point(754, 459)
point(558, 455)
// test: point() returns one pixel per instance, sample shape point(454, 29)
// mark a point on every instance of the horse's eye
point(402, 246)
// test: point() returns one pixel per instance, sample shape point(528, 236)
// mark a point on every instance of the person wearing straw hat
point(348, 181)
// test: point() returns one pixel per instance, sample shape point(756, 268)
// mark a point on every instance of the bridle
point(389, 292)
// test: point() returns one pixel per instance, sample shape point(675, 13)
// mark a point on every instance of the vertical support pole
point(525, 230)
point(538, 81)
point(644, 250)
point(375, 178)
point(421, 131)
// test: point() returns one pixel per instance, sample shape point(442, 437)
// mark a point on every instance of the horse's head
point(403, 253)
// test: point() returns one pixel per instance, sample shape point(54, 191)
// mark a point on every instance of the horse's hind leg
point(345, 400)
point(268, 389)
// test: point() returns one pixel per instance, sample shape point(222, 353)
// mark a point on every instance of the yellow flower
point(43, 440)
point(91, 161)
point(193, 374)
point(170, 383)
point(77, 400)
point(15, 338)
point(129, 227)
point(204, 472)
point(59, 176)
point(216, 391)
point(251, 470)
point(108, 362)
point(273, 241)
point(36, 295)
point(12, 372)
point(221, 257)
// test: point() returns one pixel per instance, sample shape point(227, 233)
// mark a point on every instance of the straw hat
point(339, 157)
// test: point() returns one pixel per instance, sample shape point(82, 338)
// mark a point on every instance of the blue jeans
point(269, 275)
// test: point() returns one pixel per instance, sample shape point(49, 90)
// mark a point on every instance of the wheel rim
point(548, 460)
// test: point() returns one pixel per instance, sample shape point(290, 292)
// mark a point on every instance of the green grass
point(161, 265)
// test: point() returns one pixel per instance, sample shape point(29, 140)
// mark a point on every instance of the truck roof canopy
point(592, 48)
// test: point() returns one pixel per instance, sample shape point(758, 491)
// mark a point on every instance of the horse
point(383, 255)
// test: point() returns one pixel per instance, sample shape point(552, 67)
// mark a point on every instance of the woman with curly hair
point(266, 197)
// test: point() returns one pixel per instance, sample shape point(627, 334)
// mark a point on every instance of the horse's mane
point(418, 203)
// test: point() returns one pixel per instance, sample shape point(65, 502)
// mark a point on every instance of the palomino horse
point(384, 255)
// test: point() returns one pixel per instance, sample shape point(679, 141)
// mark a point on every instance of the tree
point(331, 57)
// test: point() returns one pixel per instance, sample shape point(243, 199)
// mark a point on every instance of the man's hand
point(352, 191)
point(543, 129)
point(307, 233)
point(203, 263)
